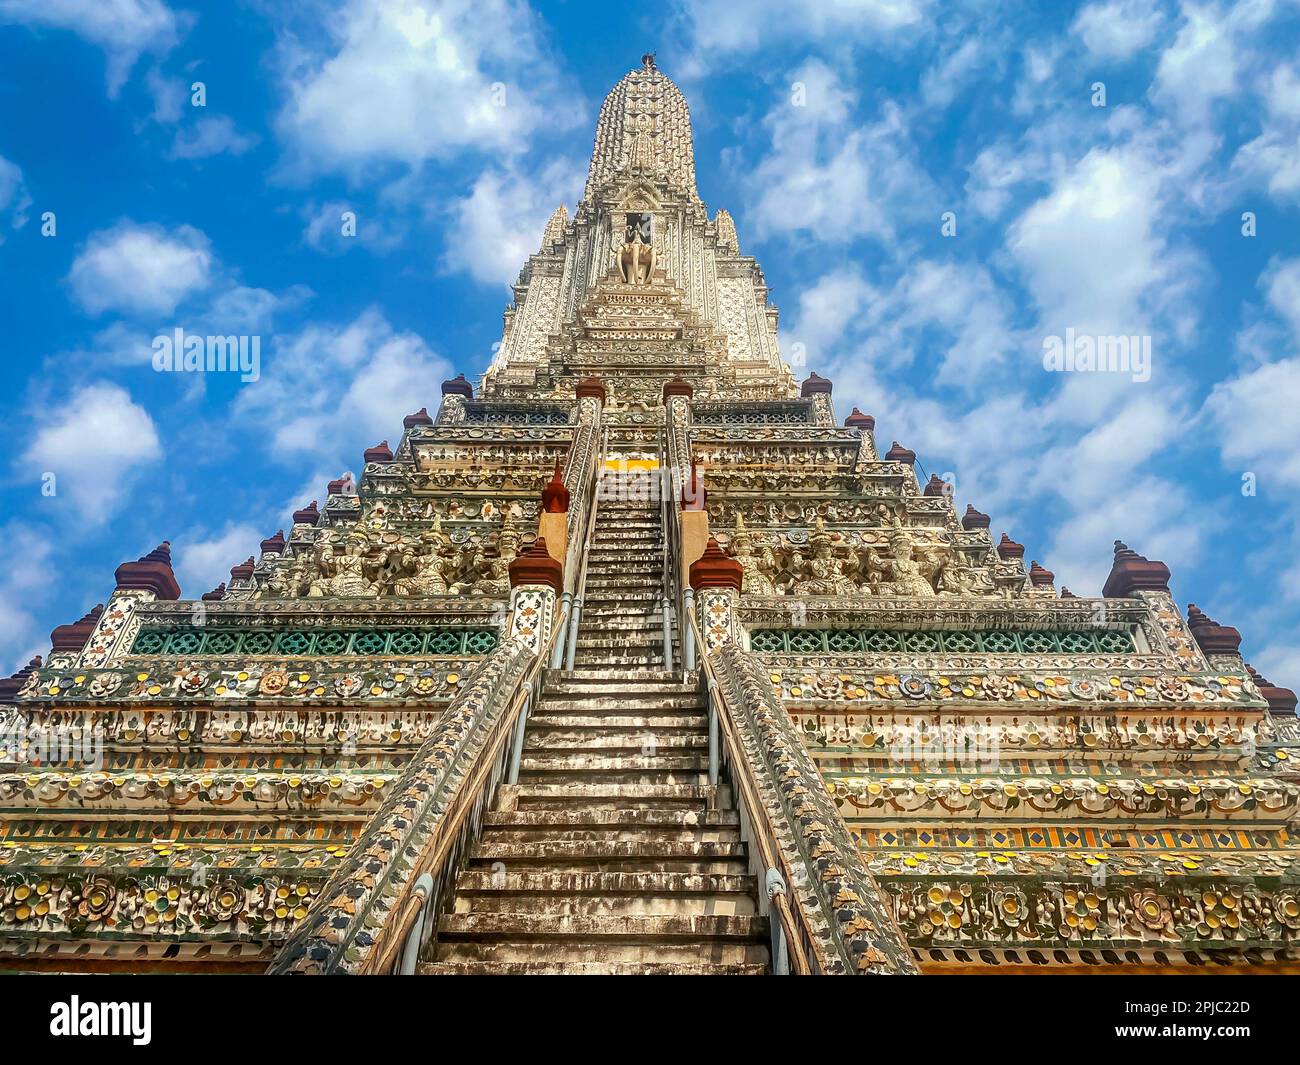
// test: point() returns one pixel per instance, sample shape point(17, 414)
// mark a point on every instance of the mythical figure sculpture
point(759, 571)
point(904, 575)
point(491, 576)
point(422, 568)
point(824, 573)
point(636, 260)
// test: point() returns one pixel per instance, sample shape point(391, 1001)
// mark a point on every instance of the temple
point(633, 659)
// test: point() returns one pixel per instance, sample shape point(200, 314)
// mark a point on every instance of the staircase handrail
point(838, 923)
point(581, 482)
point(580, 547)
point(668, 519)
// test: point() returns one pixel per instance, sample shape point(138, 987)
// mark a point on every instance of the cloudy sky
point(932, 190)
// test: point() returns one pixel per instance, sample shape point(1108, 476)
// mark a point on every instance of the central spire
point(644, 130)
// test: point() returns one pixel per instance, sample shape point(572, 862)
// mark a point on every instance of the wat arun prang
point(960, 765)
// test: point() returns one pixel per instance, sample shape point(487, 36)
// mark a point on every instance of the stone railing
point(367, 894)
point(846, 921)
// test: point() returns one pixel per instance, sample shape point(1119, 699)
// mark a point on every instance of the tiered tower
point(634, 660)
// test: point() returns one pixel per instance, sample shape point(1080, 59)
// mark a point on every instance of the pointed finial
point(1131, 573)
point(716, 569)
point(555, 495)
point(151, 573)
point(1210, 636)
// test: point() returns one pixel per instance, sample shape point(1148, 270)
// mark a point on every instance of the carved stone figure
point(636, 260)
point(903, 573)
point(758, 571)
point(824, 573)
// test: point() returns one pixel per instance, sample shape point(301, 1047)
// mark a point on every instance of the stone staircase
point(612, 854)
point(622, 616)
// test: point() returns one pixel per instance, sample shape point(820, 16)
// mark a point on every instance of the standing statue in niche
point(636, 260)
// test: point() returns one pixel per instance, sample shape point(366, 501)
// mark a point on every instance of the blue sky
point(838, 134)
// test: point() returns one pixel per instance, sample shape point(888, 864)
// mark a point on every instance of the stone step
point(647, 682)
point(623, 643)
point(609, 740)
point(642, 927)
point(564, 854)
point(647, 622)
point(609, 926)
point(535, 882)
point(603, 719)
point(610, 938)
point(627, 662)
point(555, 906)
point(543, 794)
point(578, 761)
point(603, 817)
point(551, 773)
point(590, 968)
point(618, 840)
point(605, 610)
point(602, 602)
point(572, 702)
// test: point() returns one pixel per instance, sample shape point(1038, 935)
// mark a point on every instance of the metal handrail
point(721, 720)
point(580, 586)
point(669, 590)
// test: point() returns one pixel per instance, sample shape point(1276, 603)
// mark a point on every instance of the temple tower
point(634, 658)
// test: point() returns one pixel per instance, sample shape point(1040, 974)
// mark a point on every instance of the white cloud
point(716, 29)
point(1279, 662)
point(825, 311)
point(1118, 29)
point(941, 83)
point(1082, 549)
point(1215, 45)
point(330, 388)
point(500, 223)
point(15, 201)
point(1254, 416)
point(952, 309)
point(1253, 412)
point(210, 135)
point(140, 269)
point(20, 633)
point(124, 29)
point(407, 82)
point(1281, 284)
point(93, 443)
point(1092, 252)
point(997, 172)
point(827, 175)
point(1273, 158)
point(202, 564)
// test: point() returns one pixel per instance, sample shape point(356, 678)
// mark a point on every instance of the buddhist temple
point(633, 659)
